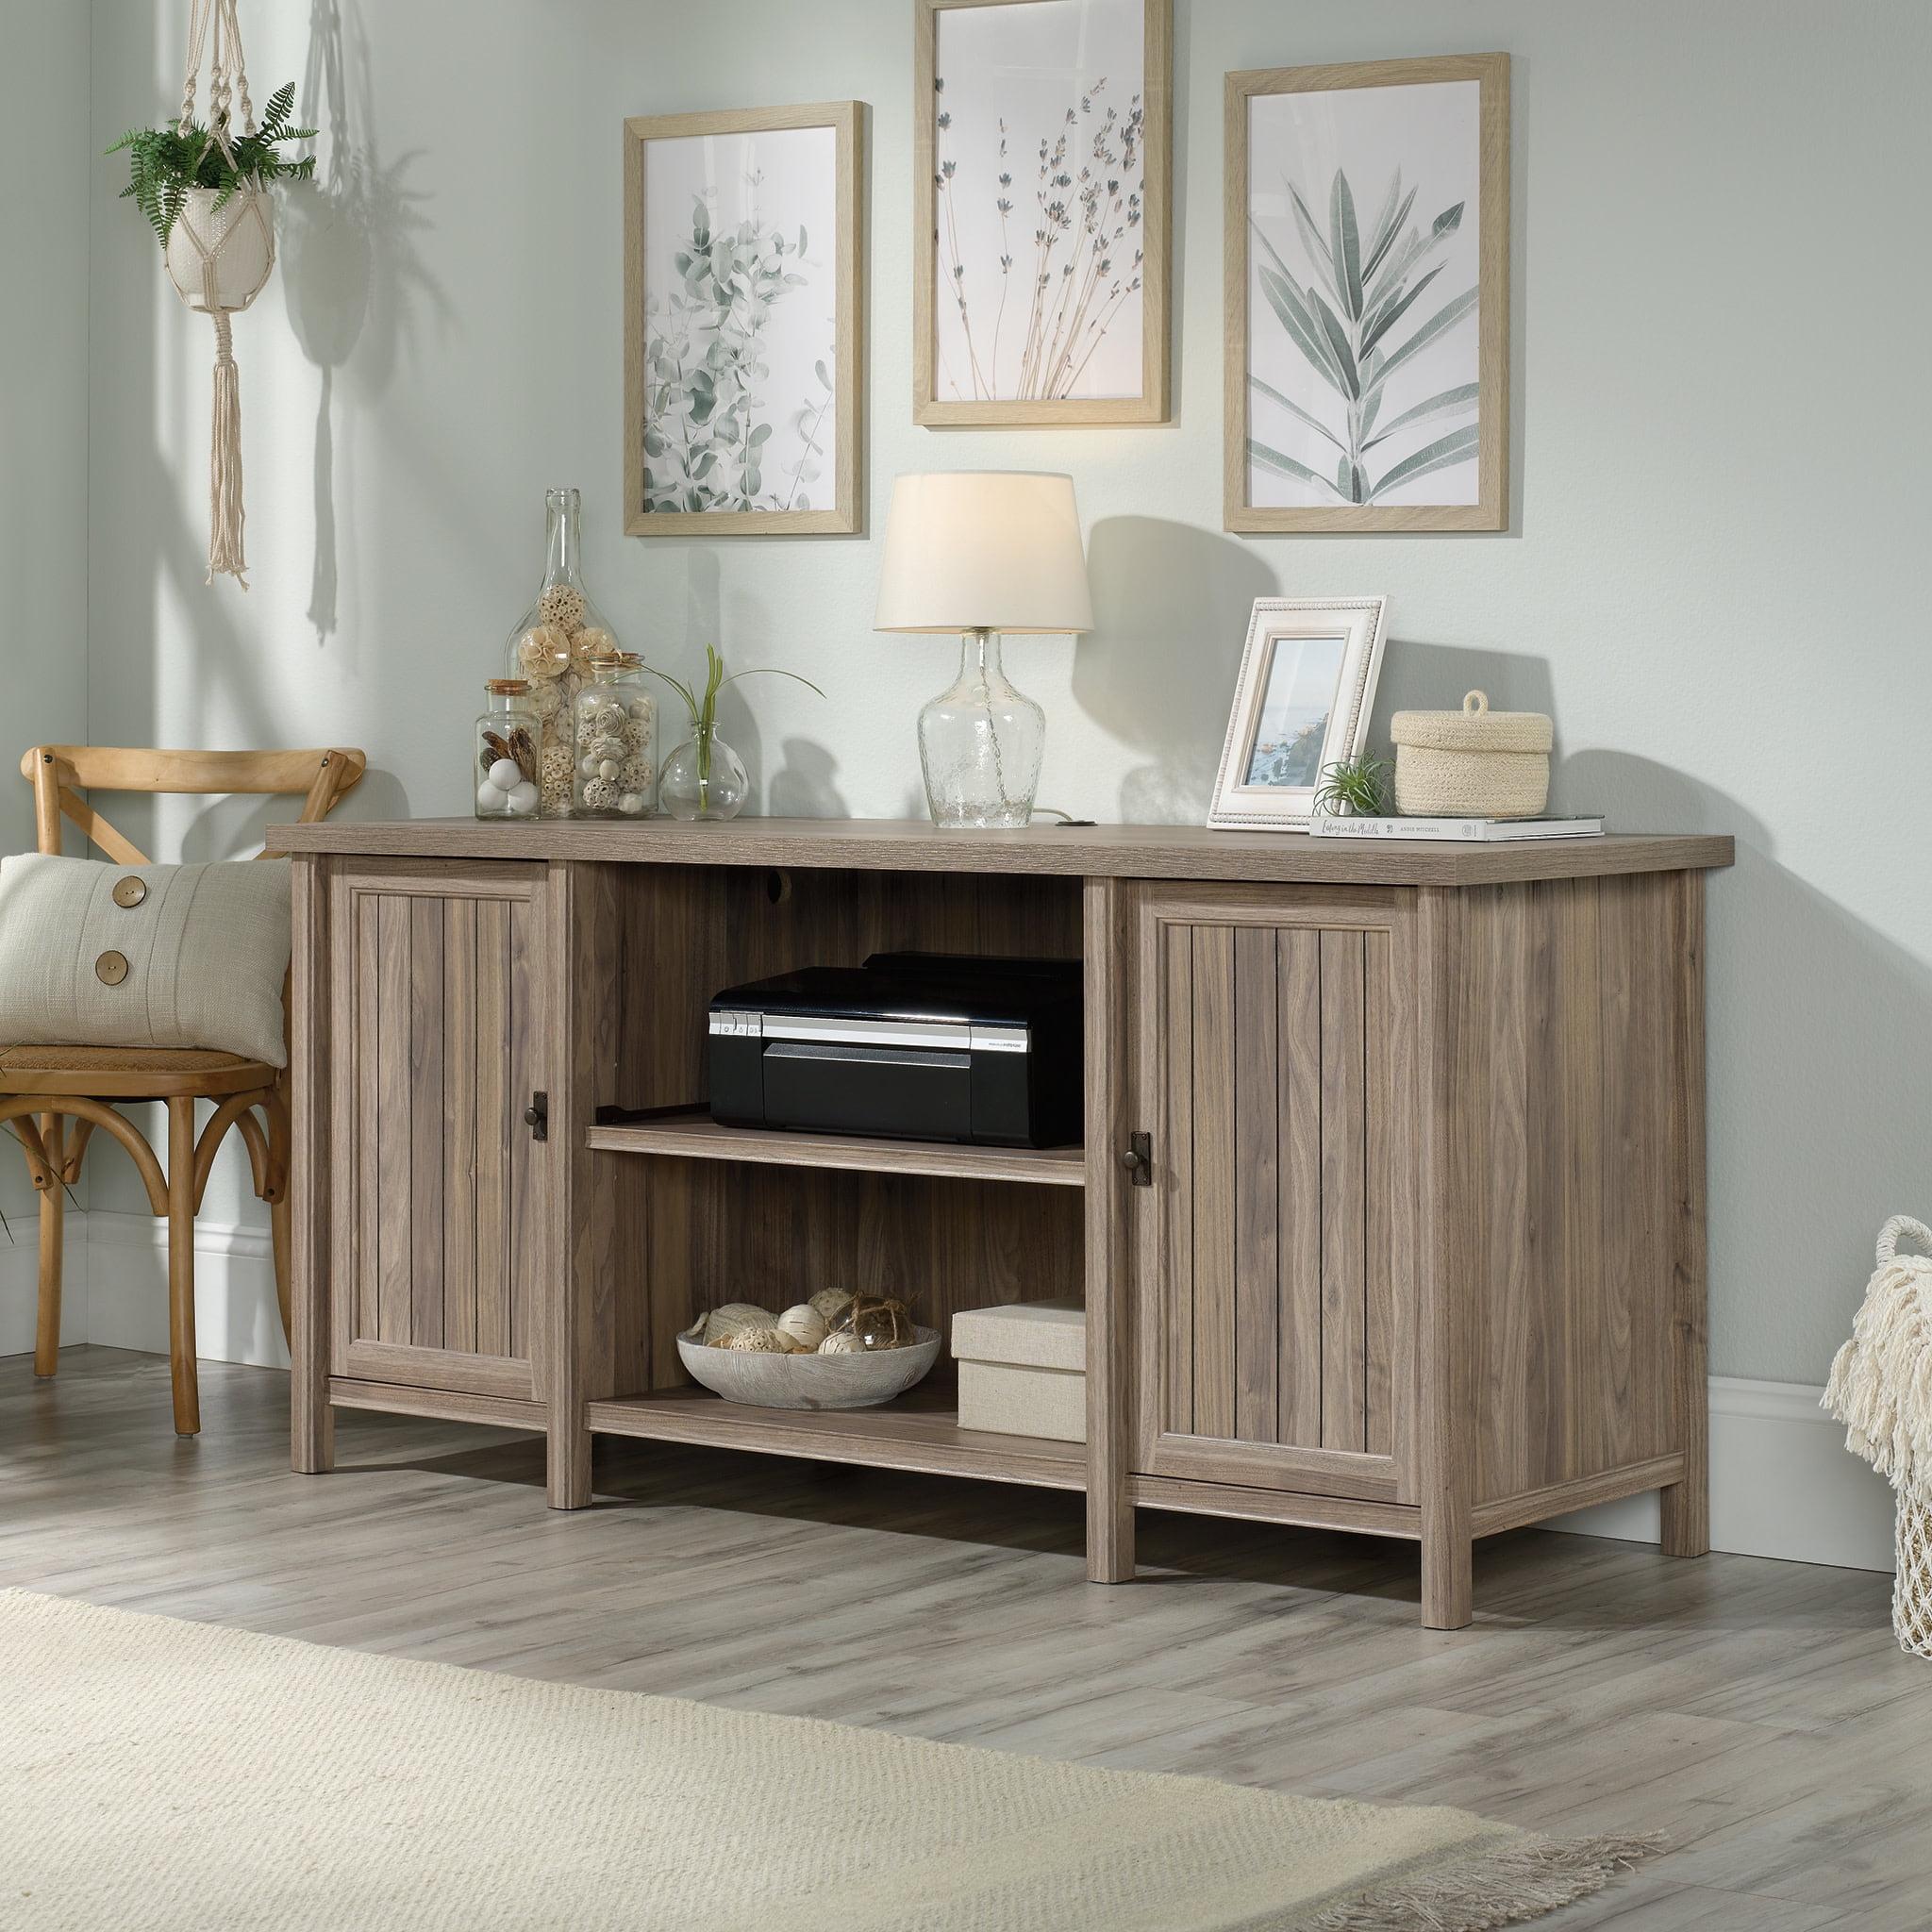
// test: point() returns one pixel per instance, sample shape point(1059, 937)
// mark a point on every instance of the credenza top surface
point(1171, 851)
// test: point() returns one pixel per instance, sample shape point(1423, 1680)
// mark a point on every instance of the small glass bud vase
point(506, 737)
point(614, 740)
point(704, 778)
point(552, 647)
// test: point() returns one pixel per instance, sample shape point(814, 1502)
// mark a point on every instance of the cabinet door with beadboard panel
point(438, 1045)
point(1271, 1063)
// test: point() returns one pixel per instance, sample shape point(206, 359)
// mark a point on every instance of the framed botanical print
point(744, 369)
point(1040, 135)
point(1367, 269)
point(1300, 704)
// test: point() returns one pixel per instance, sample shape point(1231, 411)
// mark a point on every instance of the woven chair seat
point(128, 1071)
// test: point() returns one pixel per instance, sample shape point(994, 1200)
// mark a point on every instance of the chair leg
point(53, 1244)
point(279, 1235)
point(181, 1264)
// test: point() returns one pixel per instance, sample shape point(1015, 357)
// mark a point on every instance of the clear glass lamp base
point(979, 743)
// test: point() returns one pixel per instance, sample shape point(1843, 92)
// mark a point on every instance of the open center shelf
point(696, 1137)
point(919, 1431)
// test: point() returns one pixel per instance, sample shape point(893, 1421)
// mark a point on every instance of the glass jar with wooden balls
point(505, 771)
point(551, 648)
point(614, 740)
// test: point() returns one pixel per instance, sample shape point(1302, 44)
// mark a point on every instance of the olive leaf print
point(1352, 317)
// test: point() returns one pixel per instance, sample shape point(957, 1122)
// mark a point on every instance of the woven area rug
point(163, 1775)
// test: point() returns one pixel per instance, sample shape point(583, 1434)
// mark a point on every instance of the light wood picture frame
point(1302, 702)
point(766, 440)
point(1058, 348)
point(1366, 380)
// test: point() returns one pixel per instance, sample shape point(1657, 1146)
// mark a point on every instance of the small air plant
point(1358, 786)
point(704, 712)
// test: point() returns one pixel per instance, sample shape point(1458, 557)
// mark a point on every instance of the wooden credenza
point(1389, 1216)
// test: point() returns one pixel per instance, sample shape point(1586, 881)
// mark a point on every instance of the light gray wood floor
point(1759, 1713)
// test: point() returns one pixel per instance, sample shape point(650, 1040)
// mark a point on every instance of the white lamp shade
point(984, 550)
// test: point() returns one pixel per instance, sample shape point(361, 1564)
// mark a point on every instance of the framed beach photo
point(744, 369)
point(1300, 704)
point(1367, 268)
point(1040, 139)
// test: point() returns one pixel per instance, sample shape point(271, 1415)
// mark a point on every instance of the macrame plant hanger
point(225, 266)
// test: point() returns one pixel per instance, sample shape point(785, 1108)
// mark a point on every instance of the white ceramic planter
point(240, 234)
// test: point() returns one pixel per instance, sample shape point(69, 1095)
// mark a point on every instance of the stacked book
point(1474, 831)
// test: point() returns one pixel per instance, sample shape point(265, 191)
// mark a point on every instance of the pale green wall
point(43, 428)
point(1721, 429)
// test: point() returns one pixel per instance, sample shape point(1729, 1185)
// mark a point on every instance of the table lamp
point(980, 552)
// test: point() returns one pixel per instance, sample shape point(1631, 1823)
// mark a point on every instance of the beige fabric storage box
point(1023, 1369)
point(1473, 763)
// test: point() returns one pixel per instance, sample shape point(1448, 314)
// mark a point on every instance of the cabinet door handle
point(537, 1116)
point(1137, 1156)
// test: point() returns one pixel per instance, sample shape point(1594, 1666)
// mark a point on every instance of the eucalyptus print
point(709, 419)
point(1351, 319)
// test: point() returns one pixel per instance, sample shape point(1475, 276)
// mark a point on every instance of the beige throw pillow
point(94, 955)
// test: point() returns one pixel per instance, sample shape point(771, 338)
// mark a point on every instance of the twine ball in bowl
point(1471, 763)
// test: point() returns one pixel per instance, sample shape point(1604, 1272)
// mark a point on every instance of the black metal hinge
point(537, 1116)
point(1137, 1156)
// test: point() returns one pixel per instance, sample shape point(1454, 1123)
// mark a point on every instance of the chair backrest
point(319, 777)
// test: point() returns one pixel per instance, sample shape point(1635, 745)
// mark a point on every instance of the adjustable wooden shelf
point(1418, 1251)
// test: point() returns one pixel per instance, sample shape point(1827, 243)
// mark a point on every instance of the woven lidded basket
point(1471, 763)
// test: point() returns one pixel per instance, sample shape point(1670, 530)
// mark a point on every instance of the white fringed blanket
point(1881, 1380)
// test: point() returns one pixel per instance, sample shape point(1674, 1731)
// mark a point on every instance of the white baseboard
point(236, 1316)
point(1781, 1485)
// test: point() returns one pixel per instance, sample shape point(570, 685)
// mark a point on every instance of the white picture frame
point(1302, 702)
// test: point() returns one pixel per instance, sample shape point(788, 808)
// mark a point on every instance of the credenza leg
point(313, 1434)
point(1110, 1539)
point(567, 1465)
point(1446, 1578)
point(1683, 1510)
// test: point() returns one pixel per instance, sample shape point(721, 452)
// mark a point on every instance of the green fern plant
point(165, 162)
point(1358, 785)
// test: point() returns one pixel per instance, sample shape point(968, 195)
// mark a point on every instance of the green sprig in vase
point(704, 778)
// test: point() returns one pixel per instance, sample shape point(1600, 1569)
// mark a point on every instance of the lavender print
point(1038, 208)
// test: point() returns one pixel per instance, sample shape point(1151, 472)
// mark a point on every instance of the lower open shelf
point(692, 1134)
point(919, 1431)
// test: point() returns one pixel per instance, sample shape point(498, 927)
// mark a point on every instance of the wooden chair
point(43, 1089)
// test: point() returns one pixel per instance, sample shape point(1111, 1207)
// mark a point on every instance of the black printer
point(925, 1046)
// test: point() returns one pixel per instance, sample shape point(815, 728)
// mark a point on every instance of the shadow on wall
point(235, 826)
point(1435, 677)
point(1170, 605)
point(1818, 1049)
point(803, 787)
point(349, 267)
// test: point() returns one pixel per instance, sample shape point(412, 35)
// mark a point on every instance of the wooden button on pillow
point(170, 956)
